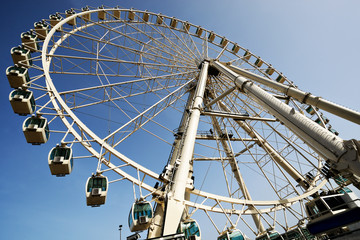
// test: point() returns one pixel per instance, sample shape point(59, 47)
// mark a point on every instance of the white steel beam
point(236, 116)
point(175, 199)
point(301, 96)
point(227, 92)
point(344, 155)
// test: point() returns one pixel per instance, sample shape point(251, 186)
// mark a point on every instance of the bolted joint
point(349, 162)
point(212, 71)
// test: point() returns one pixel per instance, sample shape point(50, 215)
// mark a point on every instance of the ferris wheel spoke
point(288, 168)
point(92, 100)
point(103, 97)
point(192, 43)
point(269, 150)
point(97, 60)
point(274, 158)
point(167, 99)
point(254, 158)
point(111, 70)
point(173, 46)
point(144, 120)
point(150, 56)
point(174, 34)
point(151, 47)
point(183, 43)
point(180, 76)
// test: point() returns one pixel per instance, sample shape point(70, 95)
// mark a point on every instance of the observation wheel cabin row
point(36, 127)
point(321, 211)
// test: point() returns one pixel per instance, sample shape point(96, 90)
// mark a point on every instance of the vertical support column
point(182, 127)
point(156, 226)
point(175, 198)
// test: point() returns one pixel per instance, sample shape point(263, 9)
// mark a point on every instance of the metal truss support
point(175, 198)
point(301, 96)
point(343, 155)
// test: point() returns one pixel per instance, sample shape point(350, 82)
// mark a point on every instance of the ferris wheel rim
point(46, 59)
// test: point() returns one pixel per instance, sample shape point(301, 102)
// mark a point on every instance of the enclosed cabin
point(186, 26)
point(21, 56)
point(140, 216)
point(199, 31)
point(247, 55)
point(173, 22)
point(191, 229)
point(22, 101)
point(117, 13)
point(30, 41)
point(60, 161)
point(273, 235)
point(232, 235)
point(146, 16)
point(87, 16)
point(55, 19)
point(322, 120)
point(102, 13)
point(298, 233)
point(69, 13)
point(235, 48)
point(340, 180)
point(17, 76)
point(36, 130)
point(131, 15)
point(159, 19)
point(270, 70)
point(310, 109)
point(211, 37)
point(41, 29)
point(224, 42)
point(332, 211)
point(96, 190)
point(259, 62)
point(280, 79)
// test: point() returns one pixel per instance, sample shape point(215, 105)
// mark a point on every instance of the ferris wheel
point(198, 124)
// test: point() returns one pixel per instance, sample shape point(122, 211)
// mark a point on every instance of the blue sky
point(314, 43)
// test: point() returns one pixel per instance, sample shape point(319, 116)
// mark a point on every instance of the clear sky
point(314, 43)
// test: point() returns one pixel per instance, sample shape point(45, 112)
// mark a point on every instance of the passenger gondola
point(55, 19)
point(191, 229)
point(102, 13)
point(96, 190)
point(298, 233)
point(116, 13)
point(273, 235)
point(234, 234)
point(330, 212)
point(22, 101)
point(41, 29)
point(140, 216)
point(60, 161)
point(69, 13)
point(17, 76)
point(21, 56)
point(30, 41)
point(36, 130)
point(87, 16)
